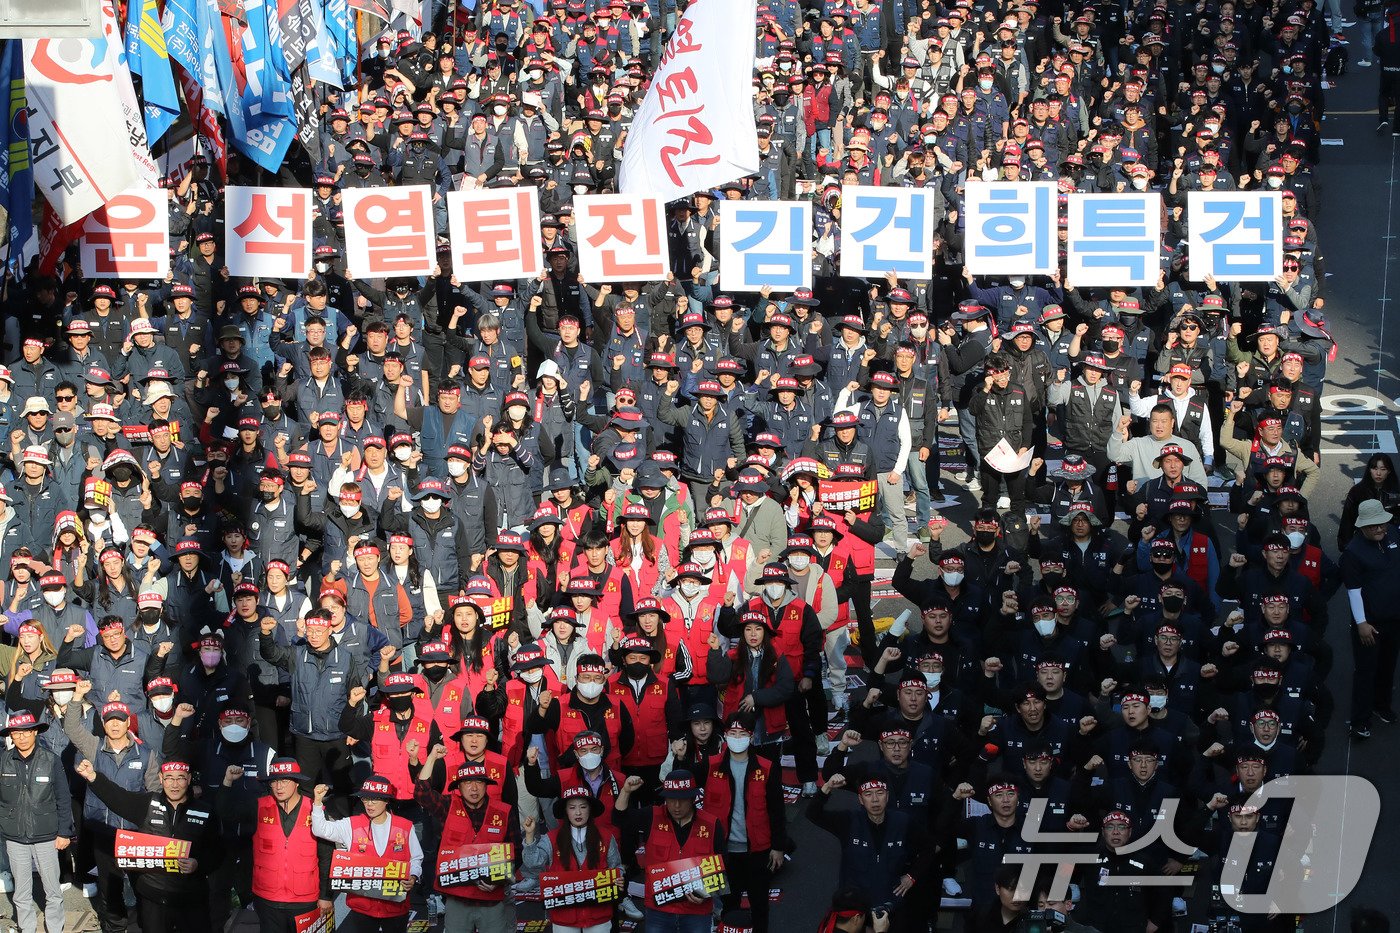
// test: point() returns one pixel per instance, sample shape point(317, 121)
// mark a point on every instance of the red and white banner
point(267, 232)
point(495, 234)
point(695, 128)
point(77, 124)
point(389, 231)
point(128, 237)
point(621, 237)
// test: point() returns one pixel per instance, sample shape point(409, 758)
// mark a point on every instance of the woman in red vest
point(378, 837)
point(476, 650)
point(582, 844)
point(547, 554)
point(756, 679)
point(674, 832)
point(291, 869)
point(647, 620)
point(637, 551)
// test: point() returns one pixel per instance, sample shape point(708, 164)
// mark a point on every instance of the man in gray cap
point(1371, 573)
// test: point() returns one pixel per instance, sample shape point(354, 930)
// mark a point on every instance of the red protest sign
point(146, 852)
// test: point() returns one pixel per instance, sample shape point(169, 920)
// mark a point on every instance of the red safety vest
point(458, 830)
point(395, 850)
point(643, 579)
point(836, 569)
point(388, 751)
point(719, 798)
point(582, 915)
point(697, 637)
point(285, 866)
point(788, 640)
point(862, 553)
point(496, 769)
point(705, 838)
point(571, 723)
point(1310, 565)
point(775, 721)
point(648, 720)
point(737, 562)
point(513, 722)
point(447, 715)
point(1198, 559)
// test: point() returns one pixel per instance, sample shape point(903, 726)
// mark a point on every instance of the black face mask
point(191, 504)
point(268, 495)
point(636, 670)
point(1053, 580)
point(362, 170)
point(120, 474)
point(401, 703)
point(1264, 691)
point(985, 537)
point(148, 616)
point(435, 672)
point(1111, 346)
point(1162, 568)
point(272, 412)
point(1173, 603)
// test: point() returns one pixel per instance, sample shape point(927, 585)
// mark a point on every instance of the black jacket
point(153, 813)
point(34, 799)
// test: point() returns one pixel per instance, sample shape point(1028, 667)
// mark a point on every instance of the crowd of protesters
point(400, 566)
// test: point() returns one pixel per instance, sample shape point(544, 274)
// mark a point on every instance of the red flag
point(205, 119)
point(54, 238)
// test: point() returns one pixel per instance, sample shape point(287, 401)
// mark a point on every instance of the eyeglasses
point(65, 398)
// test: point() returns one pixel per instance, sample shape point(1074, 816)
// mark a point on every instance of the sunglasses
point(65, 398)
point(1290, 265)
point(1190, 327)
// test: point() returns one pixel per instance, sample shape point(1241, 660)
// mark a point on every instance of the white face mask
point(1044, 627)
point(1296, 539)
point(349, 508)
point(589, 761)
point(952, 577)
point(690, 588)
point(323, 267)
point(799, 562)
point(431, 504)
point(233, 734)
point(990, 174)
point(531, 677)
point(162, 704)
point(1140, 184)
point(55, 598)
point(499, 110)
point(231, 385)
point(456, 468)
point(403, 452)
point(97, 518)
point(1157, 701)
point(590, 691)
point(1017, 282)
point(516, 412)
point(985, 83)
point(62, 697)
point(775, 591)
point(738, 744)
point(933, 680)
point(1274, 182)
point(705, 557)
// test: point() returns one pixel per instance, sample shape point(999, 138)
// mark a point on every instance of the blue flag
point(17, 178)
point(182, 35)
point(215, 73)
point(157, 84)
point(266, 102)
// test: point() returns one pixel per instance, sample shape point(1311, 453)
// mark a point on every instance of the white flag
point(695, 129)
point(86, 121)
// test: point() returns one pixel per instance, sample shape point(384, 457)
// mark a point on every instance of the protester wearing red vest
point(376, 833)
point(798, 638)
point(635, 688)
point(589, 771)
point(291, 868)
point(695, 616)
point(582, 843)
point(647, 621)
point(469, 817)
point(757, 827)
point(586, 707)
point(757, 679)
point(394, 732)
point(673, 831)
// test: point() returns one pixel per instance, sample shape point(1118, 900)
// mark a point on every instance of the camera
point(1041, 921)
